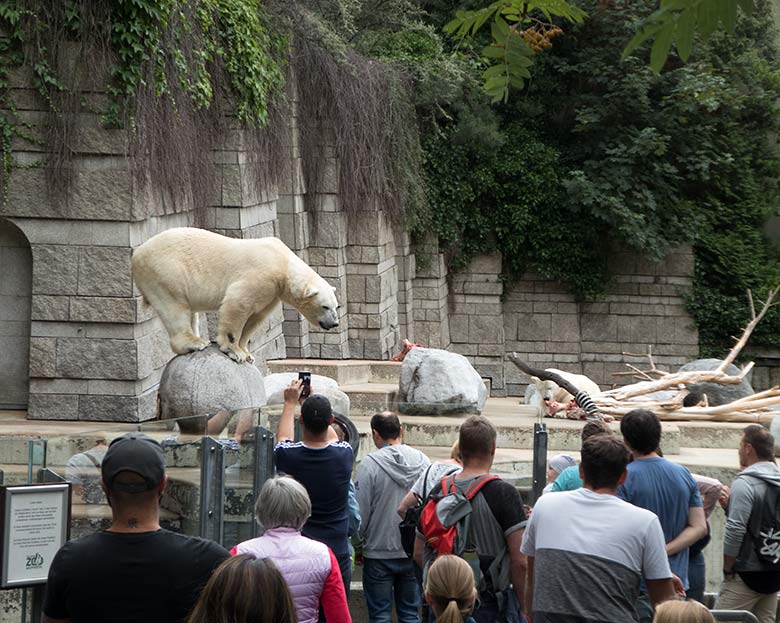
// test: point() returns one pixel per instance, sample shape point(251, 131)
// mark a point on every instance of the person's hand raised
point(292, 393)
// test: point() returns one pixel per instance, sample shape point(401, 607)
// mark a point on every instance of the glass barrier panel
point(182, 440)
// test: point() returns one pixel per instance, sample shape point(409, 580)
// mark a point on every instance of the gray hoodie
point(751, 483)
point(384, 477)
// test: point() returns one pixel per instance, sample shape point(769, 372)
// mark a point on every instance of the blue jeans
point(386, 581)
point(696, 577)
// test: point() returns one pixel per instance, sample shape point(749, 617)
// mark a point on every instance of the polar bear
point(554, 398)
point(183, 271)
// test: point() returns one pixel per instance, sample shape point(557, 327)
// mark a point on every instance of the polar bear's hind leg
point(178, 321)
point(182, 331)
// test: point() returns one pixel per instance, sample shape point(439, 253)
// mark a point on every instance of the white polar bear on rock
point(183, 271)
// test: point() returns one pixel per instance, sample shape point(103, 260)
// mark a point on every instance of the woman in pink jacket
point(309, 567)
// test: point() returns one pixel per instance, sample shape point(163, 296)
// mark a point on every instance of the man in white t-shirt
point(587, 549)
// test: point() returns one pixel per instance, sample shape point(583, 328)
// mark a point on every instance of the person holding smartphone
point(322, 465)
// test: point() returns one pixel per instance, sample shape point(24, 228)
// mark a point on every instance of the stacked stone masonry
point(96, 351)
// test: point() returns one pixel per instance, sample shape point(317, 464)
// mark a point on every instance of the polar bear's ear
point(310, 291)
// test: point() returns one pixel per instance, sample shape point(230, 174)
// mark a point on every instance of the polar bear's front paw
point(235, 354)
point(250, 358)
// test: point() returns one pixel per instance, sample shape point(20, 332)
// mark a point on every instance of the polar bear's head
point(317, 302)
point(546, 389)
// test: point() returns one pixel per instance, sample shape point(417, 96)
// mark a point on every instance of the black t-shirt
point(326, 473)
point(497, 512)
point(505, 504)
point(146, 577)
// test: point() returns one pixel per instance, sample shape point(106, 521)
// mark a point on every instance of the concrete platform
point(344, 371)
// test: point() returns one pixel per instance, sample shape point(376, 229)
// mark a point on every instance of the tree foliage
point(520, 29)
point(651, 161)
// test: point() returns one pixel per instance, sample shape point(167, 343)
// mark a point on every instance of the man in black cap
point(321, 465)
point(135, 570)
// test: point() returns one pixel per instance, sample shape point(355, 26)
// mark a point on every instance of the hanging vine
point(168, 68)
point(357, 112)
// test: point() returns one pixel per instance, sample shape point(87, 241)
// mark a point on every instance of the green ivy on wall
point(192, 55)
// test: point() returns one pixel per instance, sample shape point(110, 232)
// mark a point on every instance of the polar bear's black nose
point(328, 325)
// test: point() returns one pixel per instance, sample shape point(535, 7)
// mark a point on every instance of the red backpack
point(446, 516)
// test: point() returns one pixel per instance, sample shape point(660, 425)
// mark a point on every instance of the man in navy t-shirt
point(323, 467)
point(666, 489)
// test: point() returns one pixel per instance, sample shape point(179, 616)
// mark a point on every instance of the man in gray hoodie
point(751, 549)
point(384, 477)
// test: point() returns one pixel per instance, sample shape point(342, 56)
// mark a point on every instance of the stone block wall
point(96, 352)
point(372, 287)
point(476, 318)
point(766, 372)
point(644, 307)
point(430, 292)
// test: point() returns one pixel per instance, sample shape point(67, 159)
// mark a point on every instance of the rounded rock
point(205, 382)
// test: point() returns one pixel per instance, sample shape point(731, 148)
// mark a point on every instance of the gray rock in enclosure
point(662, 396)
point(436, 382)
point(328, 387)
point(206, 382)
point(774, 428)
point(717, 394)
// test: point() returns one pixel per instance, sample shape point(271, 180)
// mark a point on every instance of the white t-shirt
point(590, 551)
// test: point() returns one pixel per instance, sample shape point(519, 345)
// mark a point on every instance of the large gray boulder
point(207, 382)
point(437, 382)
point(774, 428)
point(328, 387)
point(717, 394)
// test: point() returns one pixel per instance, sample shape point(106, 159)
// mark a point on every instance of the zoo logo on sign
point(35, 561)
point(771, 544)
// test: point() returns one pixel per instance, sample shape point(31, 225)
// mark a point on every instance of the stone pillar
point(242, 209)
point(372, 286)
point(293, 229)
point(328, 256)
point(93, 346)
point(405, 266)
point(476, 322)
point(430, 313)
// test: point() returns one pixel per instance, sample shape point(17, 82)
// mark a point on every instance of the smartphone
point(306, 378)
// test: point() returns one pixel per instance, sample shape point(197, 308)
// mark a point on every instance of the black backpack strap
point(425, 483)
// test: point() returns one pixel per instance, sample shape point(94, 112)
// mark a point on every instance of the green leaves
point(679, 21)
point(509, 55)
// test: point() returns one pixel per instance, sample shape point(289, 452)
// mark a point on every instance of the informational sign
point(35, 522)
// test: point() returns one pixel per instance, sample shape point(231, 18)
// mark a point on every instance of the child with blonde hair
point(682, 612)
point(450, 590)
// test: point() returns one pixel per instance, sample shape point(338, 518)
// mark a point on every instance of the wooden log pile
point(750, 409)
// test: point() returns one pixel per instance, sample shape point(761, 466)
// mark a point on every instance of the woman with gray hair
point(309, 567)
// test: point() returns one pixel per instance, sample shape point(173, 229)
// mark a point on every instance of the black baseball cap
point(316, 406)
point(316, 413)
point(137, 453)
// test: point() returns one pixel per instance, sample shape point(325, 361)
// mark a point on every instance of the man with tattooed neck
point(135, 570)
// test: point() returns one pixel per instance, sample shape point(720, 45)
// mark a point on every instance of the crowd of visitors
point(617, 537)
